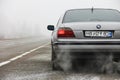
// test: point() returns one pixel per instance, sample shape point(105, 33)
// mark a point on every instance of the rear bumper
point(86, 47)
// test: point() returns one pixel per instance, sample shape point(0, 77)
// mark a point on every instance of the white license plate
point(98, 33)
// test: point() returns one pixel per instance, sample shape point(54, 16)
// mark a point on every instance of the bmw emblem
point(98, 26)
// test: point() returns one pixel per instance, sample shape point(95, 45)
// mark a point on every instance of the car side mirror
point(50, 27)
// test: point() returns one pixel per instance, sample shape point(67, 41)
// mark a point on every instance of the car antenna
point(92, 9)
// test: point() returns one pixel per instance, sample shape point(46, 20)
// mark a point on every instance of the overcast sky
point(31, 17)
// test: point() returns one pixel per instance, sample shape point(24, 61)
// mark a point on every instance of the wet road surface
point(12, 48)
point(37, 66)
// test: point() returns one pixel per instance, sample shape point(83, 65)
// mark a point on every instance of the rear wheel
point(53, 57)
point(55, 66)
point(116, 57)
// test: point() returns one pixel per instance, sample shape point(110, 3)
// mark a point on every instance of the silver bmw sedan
point(85, 30)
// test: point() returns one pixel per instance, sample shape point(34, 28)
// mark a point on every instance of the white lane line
point(19, 56)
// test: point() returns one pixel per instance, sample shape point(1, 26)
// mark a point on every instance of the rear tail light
point(65, 33)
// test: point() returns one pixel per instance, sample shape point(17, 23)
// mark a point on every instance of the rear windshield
point(91, 15)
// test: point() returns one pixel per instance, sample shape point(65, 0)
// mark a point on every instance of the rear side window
point(87, 15)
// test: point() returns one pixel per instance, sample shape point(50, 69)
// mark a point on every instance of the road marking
point(20, 56)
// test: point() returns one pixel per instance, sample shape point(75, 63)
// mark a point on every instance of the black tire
point(55, 66)
point(53, 58)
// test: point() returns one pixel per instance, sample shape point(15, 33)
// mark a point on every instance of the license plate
point(98, 33)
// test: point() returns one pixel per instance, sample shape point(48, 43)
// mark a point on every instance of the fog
point(25, 18)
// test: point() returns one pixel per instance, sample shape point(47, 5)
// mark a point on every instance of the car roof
point(93, 9)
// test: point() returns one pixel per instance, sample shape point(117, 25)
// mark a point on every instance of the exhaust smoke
point(100, 63)
point(64, 60)
point(105, 63)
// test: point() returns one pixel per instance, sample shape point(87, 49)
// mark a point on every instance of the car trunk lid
point(79, 28)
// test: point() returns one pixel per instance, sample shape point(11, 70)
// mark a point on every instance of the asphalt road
point(37, 65)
